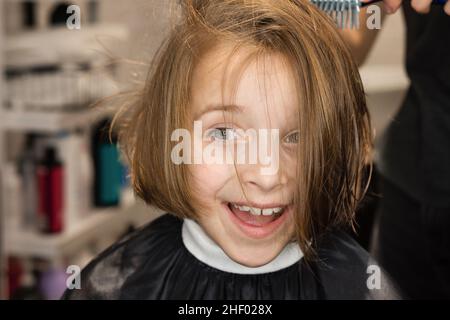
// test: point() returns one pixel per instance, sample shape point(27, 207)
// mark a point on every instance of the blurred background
point(49, 133)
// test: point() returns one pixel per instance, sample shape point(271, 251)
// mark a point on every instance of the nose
point(254, 178)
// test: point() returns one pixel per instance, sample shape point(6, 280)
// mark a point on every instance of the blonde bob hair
point(333, 121)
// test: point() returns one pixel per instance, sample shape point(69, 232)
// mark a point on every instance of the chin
point(251, 256)
point(251, 244)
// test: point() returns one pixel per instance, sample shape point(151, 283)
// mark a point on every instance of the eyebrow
point(225, 108)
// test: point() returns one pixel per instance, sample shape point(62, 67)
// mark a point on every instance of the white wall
point(389, 47)
point(384, 75)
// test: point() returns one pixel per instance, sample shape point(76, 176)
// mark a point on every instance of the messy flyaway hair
point(335, 134)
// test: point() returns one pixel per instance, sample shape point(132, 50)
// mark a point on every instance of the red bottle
point(50, 179)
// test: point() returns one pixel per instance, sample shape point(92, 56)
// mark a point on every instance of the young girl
point(233, 230)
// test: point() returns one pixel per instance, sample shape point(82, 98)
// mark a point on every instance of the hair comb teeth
point(346, 12)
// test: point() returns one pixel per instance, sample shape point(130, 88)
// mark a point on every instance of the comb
point(346, 12)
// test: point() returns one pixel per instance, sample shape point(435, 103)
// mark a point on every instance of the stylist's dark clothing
point(413, 244)
point(415, 161)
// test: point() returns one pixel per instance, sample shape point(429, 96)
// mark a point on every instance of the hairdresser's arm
point(360, 41)
point(421, 6)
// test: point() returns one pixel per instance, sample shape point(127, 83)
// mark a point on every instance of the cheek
point(210, 179)
point(288, 164)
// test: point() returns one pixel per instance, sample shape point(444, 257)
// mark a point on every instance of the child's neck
point(201, 246)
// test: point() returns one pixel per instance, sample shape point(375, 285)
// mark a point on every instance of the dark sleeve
point(346, 271)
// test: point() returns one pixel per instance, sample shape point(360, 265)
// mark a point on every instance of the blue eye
point(221, 133)
point(292, 137)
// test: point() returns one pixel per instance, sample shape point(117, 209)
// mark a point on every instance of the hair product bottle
point(50, 192)
point(107, 167)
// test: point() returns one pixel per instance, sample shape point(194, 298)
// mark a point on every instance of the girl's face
point(265, 99)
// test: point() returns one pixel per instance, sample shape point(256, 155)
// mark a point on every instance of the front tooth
point(276, 210)
point(244, 208)
point(255, 211)
point(267, 212)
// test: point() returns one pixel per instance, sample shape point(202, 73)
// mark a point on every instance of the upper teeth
point(259, 211)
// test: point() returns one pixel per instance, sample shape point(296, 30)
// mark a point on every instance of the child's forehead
point(226, 59)
point(242, 77)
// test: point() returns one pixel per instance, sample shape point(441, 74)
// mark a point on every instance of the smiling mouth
point(256, 216)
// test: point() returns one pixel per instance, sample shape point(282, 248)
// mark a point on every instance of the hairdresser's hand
point(421, 6)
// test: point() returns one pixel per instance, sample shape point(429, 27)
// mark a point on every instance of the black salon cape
point(153, 263)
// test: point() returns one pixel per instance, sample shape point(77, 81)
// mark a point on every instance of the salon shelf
point(49, 121)
point(99, 223)
point(50, 45)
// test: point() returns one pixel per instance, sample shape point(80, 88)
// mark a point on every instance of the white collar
point(201, 246)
